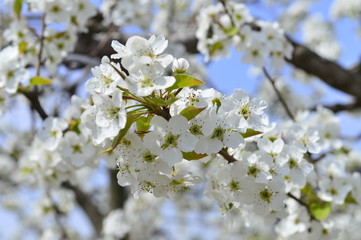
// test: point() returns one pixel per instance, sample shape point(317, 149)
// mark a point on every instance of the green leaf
point(171, 100)
point(130, 120)
point(320, 210)
point(22, 47)
point(40, 81)
point(26, 170)
point(158, 101)
point(193, 155)
point(57, 35)
point(217, 102)
point(250, 133)
point(307, 190)
point(191, 112)
point(143, 123)
point(18, 4)
point(184, 80)
point(213, 48)
point(342, 150)
point(231, 31)
point(74, 126)
point(350, 199)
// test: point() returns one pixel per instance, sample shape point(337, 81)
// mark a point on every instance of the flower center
point(266, 195)
point(170, 141)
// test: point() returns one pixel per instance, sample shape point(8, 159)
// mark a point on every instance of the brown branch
point(118, 194)
point(328, 71)
point(91, 210)
point(33, 97)
point(341, 107)
point(227, 156)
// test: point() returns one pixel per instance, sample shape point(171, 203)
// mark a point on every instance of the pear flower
point(171, 137)
point(180, 65)
point(138, 50)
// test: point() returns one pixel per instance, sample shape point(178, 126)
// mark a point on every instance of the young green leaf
point(157, 101)
point(320, 211)
point(350, 199)
point(143, 123)
point(130, 120)
point(231, 31)
point(171, 100)
point(184, 80)
point(250, 133)
point(191, 112)
point(22, 47)
point(18, 4)
point(213, 48)
point(40, 81)
point(193, 155)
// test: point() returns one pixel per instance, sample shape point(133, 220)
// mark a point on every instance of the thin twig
point(33, 96)
point(41, 39)
point(279, 95)
point(227, 12)
point(58, 215)
point(103, 41)
point(302, 203)
point(227, 156)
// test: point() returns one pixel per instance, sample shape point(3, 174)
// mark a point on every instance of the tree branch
point(33, 97)
point(227, 156)
point(278, 93)
point(328, 71)
point(340, 107)
point(92, 211)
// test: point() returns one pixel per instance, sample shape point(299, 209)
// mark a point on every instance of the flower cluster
point(230, 24)
point(127, 12)
point(167, 137)
point(148, 117)
point(58, 41)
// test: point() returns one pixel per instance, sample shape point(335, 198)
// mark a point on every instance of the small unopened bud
point(180, 65)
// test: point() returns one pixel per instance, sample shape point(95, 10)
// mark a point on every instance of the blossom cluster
point(150, 119)
point(230, 24)
point(166, 137)
point(58, 40)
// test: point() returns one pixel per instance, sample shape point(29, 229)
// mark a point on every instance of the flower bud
point(180, 65)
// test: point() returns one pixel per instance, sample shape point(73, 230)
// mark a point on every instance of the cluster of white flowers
point(348, 8)
point(230, 24)
point(158, 131)
point(139, 219)
point(12, 71)
point(294, 14)
point(129, 12)
point(59, 41)
point(59, 149)
point(319, 36)
point(166, 137)
point(72, 13)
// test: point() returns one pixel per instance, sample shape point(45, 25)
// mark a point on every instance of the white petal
point(186, 142)
point(178, 124)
